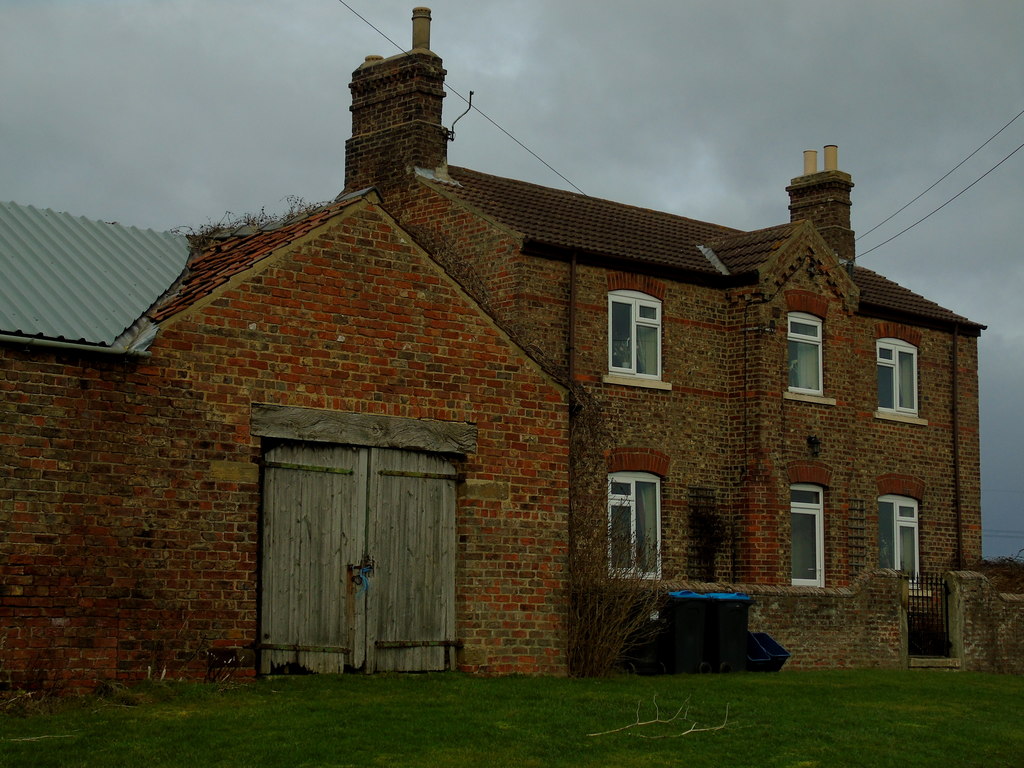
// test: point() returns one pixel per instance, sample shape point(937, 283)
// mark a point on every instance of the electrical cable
point(471, 106)
point(954, 197)
point(884, 221)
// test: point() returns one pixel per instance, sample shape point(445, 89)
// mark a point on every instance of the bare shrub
point(1005, 573)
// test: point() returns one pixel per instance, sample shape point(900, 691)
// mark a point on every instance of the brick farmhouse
point(342, 440)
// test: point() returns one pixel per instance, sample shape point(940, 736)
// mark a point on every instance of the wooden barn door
point(412, 541)
point(357, 559)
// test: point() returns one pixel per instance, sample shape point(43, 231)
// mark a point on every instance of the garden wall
point(986, 626)
point(865, 625)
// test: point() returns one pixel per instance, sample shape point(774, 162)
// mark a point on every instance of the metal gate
point(928, 616)
point(357, 560)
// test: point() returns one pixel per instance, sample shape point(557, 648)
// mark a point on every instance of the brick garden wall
point(859, 626)
point(986, 626)
point(864, 625)
point(131, 489)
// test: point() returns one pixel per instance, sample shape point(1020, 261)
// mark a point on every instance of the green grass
point(790, 719)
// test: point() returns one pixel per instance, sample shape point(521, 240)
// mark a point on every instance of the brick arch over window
point(897, 331)
point(901, 485)
point(813, 472)
point(638, 460)
point(798, 300)
point(624, 281)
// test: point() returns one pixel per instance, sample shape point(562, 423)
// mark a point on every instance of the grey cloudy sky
point(167, 113)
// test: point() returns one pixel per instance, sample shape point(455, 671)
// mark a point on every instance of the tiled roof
point(71, 279)
point(746, 251)
point(554, 217)
point(883, 293)
point(213, 266)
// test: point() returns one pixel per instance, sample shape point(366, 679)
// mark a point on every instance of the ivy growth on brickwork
point(708, 532)
point(610, 613)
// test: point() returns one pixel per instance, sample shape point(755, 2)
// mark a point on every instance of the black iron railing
point(928, 616)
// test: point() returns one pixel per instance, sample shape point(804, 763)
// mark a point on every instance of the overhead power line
point(954, 197)
point(947, 175)
point(471, 106)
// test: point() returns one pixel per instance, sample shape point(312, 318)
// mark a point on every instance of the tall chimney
point(396, 115)
point(421, 28)
point(823, 198)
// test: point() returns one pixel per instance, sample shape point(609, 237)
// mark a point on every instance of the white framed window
point(897, 376)
point(898, 533)
point(634, 524)
point(634, 334)
point(804, 338)
point(806, 515)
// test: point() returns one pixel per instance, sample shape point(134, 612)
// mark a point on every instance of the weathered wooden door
point(411, 536)
point(358, 556)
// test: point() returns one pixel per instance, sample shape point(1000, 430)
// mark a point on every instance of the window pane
point(648, 313)
point(620, 489)
point(805, 541)
point(803, 365)
point(621, 534)
point(886, 534)
point(804, 329)
point(885, 386)
point(907, 384)
point(646, 526)
point(622, 343)
point(907, 512)
point(908, 549)
point(884, 353)
point(804, 496)
point(646, 349)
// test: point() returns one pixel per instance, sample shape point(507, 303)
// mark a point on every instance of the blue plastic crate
point(764, 654)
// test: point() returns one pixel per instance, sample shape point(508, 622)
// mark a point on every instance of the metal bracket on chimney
point(450, 132)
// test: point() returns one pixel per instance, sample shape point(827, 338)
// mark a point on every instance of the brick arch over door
point(638, 460)
point(813, 472)
point(901, 485)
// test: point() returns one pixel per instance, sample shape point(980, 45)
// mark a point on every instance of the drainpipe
point(956, 449)
point(572, 319)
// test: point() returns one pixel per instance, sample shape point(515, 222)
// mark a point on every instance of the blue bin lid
point(686, 594)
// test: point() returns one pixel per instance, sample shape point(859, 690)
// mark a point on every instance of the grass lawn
point(839, 718)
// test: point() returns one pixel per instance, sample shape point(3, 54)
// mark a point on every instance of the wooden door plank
point(310, 536)
point(412, 502)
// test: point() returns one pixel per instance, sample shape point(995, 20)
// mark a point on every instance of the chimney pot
point(831, 157)
point(421, 28)
point(810, 161)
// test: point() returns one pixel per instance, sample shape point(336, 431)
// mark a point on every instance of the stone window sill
point(800, 398)
point(889, 416)
point(630, 381)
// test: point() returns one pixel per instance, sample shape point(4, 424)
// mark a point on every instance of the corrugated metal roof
point(73, 279)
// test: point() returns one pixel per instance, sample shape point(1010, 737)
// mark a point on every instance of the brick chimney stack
point(396, 115)
point(823, 198)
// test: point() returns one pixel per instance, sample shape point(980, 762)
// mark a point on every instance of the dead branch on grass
point(683, 712)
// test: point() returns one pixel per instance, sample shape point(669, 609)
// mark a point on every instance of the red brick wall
point(131, 487)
